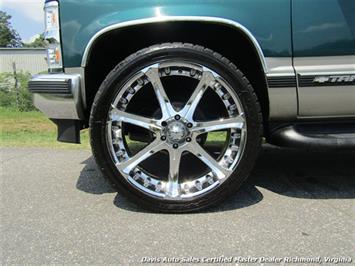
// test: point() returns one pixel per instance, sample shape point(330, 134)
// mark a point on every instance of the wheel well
point(114, 46)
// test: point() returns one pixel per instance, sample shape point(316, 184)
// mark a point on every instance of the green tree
point(8, 36)
point(37, 43)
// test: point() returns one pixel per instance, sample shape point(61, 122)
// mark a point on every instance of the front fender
point(81, 22)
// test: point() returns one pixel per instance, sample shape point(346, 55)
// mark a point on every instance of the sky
point(27, 17)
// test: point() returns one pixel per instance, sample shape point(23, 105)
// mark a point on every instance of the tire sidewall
point(123, 72)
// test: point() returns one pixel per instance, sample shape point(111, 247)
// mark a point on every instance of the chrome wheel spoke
point(220, 124)
point(145, 153)
point(163, 99)
point(191, 105)
point(141, 121)
point(207, 159)
point(176, 132)
point(173, 186)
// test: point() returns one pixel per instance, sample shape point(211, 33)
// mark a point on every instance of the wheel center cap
point(176, 131)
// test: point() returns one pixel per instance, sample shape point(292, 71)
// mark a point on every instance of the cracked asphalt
point(57, 209)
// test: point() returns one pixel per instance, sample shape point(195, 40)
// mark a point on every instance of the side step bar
point(315, 136)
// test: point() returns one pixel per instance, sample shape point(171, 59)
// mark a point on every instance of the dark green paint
point(268, 21)
point(323, 27)
point(320, 27)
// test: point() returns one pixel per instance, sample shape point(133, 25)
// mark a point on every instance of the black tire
point(117, 77)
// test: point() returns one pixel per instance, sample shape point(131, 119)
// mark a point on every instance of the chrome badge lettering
point(334, 79)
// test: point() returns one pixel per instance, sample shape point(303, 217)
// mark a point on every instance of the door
point(324, 57)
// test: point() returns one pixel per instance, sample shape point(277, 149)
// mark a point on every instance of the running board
point(315, 136)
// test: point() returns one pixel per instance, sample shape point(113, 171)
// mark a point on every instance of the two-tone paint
point(297, 40)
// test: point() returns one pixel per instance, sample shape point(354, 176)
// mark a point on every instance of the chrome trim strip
point(163, 19)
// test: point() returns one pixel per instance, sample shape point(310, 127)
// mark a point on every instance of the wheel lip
point(243, 132)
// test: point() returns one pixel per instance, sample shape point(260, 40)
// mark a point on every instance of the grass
point(32, 129)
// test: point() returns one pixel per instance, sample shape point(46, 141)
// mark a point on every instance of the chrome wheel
point(175, 131)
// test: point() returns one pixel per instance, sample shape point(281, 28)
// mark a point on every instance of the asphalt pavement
point(57, 209)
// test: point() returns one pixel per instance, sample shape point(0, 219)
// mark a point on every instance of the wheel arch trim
point(216, 20)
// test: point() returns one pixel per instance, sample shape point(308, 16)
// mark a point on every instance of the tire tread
point(247, 89)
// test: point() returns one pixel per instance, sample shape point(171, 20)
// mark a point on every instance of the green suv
point(179, 94)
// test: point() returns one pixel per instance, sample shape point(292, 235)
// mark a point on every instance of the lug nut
point(163, 137)
point(188, 139)
point(177, 117)
point(175, 146)
point(164, 123)
point(189, 125)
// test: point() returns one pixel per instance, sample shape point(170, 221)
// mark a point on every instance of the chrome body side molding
point(164, 19)
point(326, 86)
